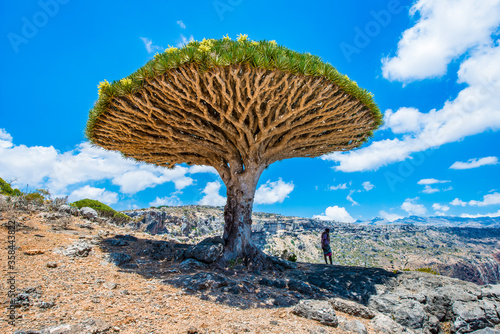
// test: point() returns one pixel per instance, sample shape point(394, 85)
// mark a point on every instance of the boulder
point(352, 326)
point(383, 324)
point(352, 308)
point(319, 310)
point(207, 251)
point(88, 213)
point(79, 248)
point(191, 265)
point(468, 317)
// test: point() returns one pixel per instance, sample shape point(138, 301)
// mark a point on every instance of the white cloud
point(99, 194)
point(150, 47)
point(340, 186)
point(431, 181)
point(474, 163)
point(494, 214)
point(403, 121)
point(172, 200)
point(202, 169)
point(45, 167)
point(464, 23)
point(212, 196)
point(445, 30)
point(490, 199)
point(4, 135)
point(389, 216)
point(458, 202)
point(272, 192)
point(429, 190)
point(368, 185)
point(473, 111)
point(413, 208)
point(336, 213)
point(439, 207)
point(181, 24)
point(350, 199)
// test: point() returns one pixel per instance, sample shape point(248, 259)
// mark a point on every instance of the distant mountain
point(438, 221)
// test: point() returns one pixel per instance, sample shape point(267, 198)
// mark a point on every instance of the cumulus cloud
point(490, 199)
point(335, 213)
point(389, 216)
point(172, 200)
point(100, 194)
point(212, 196)
point(475, 163)
point(150, 47)
point(439, 207)
point(494, 214)
point(273, 192)
point(429, 190)
point(45, 167)
point(473, 111)
point(458, 202)
point(445, 30)
point(413, 208)
point(368, 185)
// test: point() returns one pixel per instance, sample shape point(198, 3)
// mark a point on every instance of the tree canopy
point(287, 79)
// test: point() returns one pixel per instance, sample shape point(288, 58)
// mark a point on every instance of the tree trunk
point(238, 216)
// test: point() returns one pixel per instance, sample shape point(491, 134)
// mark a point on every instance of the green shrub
point(424, 270)
point(103, 210)
point(35, 197)
point(6, 189)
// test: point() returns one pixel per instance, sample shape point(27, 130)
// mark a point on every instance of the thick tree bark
point(238, 215)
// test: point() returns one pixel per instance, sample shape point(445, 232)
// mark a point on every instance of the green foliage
point(34, 197)
point(289, 256)
point(225, 52)
point(7, 190)
point(103, 209)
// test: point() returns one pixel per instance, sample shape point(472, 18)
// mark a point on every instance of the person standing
point(325, 245)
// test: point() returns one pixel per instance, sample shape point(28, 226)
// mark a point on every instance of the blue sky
point(433, 66)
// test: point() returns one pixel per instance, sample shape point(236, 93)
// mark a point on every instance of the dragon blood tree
point(237, 106)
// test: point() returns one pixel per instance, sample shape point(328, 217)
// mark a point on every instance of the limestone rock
point(207, 251)
point(354, 326)
point(318, 310)
point(383, 324)
point(79, 248)
point(88, 213)
point(352, 308)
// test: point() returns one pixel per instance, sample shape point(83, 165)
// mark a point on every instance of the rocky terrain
point(467, 253)
point(75, 272)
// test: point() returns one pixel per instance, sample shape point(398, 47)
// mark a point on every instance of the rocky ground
point(470, 254)
point(76, 273)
